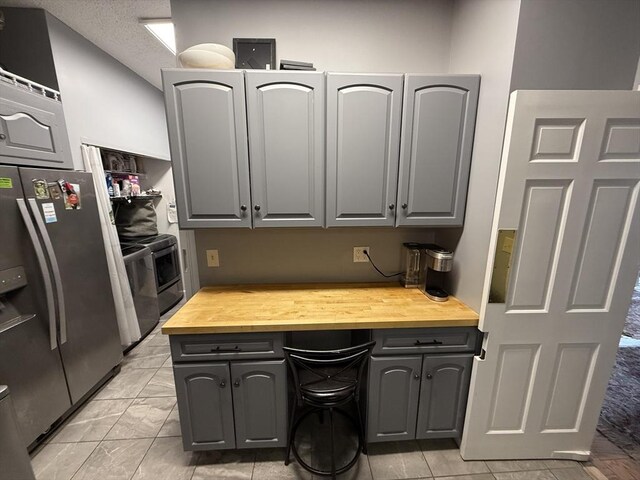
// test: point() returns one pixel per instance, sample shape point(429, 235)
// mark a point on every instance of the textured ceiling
point(113, 26)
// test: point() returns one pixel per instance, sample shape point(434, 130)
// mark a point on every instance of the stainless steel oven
point(166, 263)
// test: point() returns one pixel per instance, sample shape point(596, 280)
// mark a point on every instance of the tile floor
point(130, 431)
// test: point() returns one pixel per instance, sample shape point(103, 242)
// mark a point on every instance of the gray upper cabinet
point(286, 117)
point(32, 129)
point(363, 141)
point(443, 395)
point(394, 388)
point(260, 403)
point(205, 406)
point(438, 123)
point(206, 118)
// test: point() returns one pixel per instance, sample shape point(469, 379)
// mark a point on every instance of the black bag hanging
point(136, 219)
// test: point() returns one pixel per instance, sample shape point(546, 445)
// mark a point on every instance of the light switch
point(212, 258)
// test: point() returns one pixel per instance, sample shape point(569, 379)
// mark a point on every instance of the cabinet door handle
point(2, 136)
point(243, 208)
point(416, 376)
point(391, 206)
point(429, 376)
point(404, 206)
point(432, 342)
point(256, 208)
point(223, 384)
point(236, 383)
point(225, 350)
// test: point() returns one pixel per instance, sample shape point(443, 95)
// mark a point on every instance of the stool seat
point(325, 380)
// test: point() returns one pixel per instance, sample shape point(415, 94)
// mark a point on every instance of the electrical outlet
point(358, 254)
point(213, 260)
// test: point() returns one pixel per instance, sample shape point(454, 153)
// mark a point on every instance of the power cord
point(377, 269)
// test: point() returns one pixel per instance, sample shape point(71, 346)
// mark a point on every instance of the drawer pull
point(429, 376)
point(223, 384)
point(236, 383)
point(226, 350)
point(432, 342)
point(416, 376)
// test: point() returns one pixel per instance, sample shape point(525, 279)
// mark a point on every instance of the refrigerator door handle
point(51, 307)
point(54, 266)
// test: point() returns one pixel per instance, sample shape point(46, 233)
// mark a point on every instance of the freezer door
point(28, 364)
point(68, 222)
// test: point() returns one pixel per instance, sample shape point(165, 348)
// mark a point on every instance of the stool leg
point(333, 451)
point(287, 459)
point(363, 441)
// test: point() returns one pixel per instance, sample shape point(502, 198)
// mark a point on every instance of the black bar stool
point(326, 380)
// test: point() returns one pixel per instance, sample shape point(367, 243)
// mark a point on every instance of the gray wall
point(281, 255)
point(24, 46)
point(337, 35)
point(483, 41)
point(577, 44)
point(105, 103)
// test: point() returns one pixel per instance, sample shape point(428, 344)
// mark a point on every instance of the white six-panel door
point(555, 310)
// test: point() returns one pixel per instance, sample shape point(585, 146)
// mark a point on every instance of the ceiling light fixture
point(162, 29)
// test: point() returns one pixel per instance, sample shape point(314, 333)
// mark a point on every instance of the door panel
point(538, 390)
point(435, 155)
point(205, 406)
point(32, 129)
point(206, 118)
point(394, 387)
point(28, 365)
point(92, 347)
point(443, 395)
point(363, 140)
point(286, 116)
point(260, 403)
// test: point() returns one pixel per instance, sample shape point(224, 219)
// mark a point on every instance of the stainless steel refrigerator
point(58, 331)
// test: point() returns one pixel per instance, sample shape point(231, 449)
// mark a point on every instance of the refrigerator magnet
point(54, 191)
point(40, 189)
point(49, 211)
point(6, 182)
point(71, 194)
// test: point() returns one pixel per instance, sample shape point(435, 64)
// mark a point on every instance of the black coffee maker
point(435, 262)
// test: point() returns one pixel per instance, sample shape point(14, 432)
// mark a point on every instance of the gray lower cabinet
point(443, 395)
point(206, 118)
point(394, 389)
point(205, 406)
point(260, 403)
point(286, 118)
point(438, 121)
point(229, 405)
point(363, 142)
point(32, 129)
point(419, 382)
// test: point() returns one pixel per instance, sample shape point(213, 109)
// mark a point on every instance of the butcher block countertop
point(276, 308)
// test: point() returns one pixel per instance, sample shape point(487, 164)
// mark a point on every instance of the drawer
point(226, 346)
point(423, 340)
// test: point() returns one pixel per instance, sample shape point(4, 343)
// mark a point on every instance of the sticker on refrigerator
point(40, 189)
point(49, 211)
point(71, 195)
point(6, 182)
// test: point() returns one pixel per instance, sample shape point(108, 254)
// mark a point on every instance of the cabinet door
point(32, 129)
point(438, 120)
point(204, 404)
point(286, 116)
point(363, 141)
point(443, 395)
point(260, 403)
point(206, 118)
point(394, 386)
